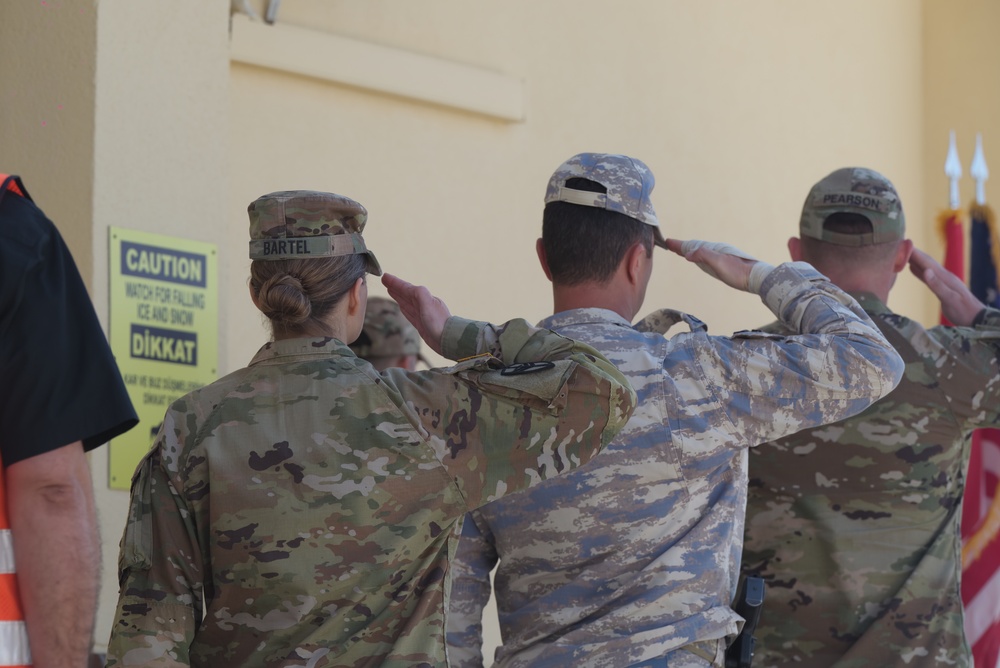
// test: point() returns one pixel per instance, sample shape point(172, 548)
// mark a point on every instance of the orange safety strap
point(12, 183)
point(14, 650)
point(10, 601)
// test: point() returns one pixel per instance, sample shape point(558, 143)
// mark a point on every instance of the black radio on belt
point(748, 604)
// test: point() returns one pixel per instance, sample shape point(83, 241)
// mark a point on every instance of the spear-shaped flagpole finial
point(953, 170)
point(979, 171)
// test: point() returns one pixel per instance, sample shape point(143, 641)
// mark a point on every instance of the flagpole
point(953, 170)
point(950, 221)
point(979, 171)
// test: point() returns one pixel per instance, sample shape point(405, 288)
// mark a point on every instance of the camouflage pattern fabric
point(855, 525)
point(636, 555)
point(386, 332)
point(289, 214)
point(859, 191)
point(302, 511)
point(304, 224)
point(629, 183)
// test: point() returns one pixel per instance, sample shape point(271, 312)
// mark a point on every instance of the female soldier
point(301, 511)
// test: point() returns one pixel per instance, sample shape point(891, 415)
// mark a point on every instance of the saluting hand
point(958, 304)
point(724, 262)
point(424, 311)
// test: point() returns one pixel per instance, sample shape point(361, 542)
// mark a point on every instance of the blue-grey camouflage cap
point(854, 190)
point(628, 180)
point(303, 224)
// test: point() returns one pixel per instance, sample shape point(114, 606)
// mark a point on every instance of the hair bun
point(283, 299)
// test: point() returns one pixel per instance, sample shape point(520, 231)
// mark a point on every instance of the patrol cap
point(628, 180)
point(303, 224)
point(386, 332)
point(854, 190)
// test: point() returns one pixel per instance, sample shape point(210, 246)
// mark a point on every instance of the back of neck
point(590, 295)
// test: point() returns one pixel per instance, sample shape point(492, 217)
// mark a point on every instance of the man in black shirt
point(61, 395)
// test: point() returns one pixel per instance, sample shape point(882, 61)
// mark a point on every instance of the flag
point(950, 224)
point(981, 504)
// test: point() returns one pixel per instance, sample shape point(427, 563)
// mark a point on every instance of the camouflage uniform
point(302, 511)
point(635, 556)
point(387, 334)
point(860, 542)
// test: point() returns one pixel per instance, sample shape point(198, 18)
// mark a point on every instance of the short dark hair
point(586, 244)
point(845, 222)
point(819, 252)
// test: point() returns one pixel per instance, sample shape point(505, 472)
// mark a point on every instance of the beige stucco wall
point(737, 107)
point(961, 93)
point(160, 164)
point(115, 114)
point(47, 111)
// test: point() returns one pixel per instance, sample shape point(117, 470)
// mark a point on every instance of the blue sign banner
point(162, 264)
point(164, 345)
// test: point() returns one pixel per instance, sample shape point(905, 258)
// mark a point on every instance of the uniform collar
point(584, 316)
point(870, 303)
point(307, 347)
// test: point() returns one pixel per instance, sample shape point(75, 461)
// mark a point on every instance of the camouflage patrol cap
point(854, 190)
point(386, 332)
point(303, 224)
point(628, 180)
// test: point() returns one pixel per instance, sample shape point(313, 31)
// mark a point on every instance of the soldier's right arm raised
point(522, 405)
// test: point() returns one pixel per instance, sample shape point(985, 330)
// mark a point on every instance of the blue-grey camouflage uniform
point(856, 525)
point(636, 555)
point(302, 511)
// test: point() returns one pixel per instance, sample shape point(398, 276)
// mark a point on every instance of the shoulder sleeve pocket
point(137, 541)
point(543, 381)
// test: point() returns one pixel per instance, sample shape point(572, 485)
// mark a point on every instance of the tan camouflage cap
point(854, 190)
point(386, 332)
point(628, 180)
point(302, 224)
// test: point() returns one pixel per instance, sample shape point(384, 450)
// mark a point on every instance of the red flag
point(950, 224)
point(981, 503)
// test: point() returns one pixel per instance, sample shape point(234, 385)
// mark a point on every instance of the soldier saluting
point(302, 510)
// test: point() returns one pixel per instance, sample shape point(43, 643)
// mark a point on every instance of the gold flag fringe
point(943, 219)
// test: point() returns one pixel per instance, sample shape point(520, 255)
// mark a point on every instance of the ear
point(635, 259)
point(540, 251)
point(253, 296)
point(356, 299)
point(795, 249)
point(902, 259)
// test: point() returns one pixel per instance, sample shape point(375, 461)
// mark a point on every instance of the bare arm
point(958, 303)
point(56, 552)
